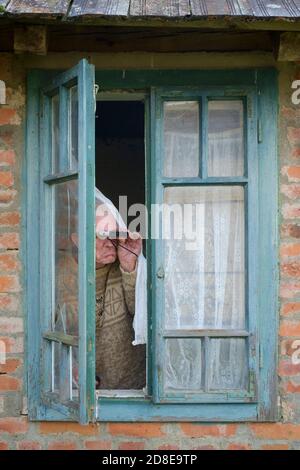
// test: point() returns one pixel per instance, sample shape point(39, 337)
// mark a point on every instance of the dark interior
point(120, 150)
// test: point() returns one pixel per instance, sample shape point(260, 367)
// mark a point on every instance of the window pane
point(228, 364)
point(66, 268)
point(204, 257)
point(183, 369)
point(73, 128)
point(63, 372)
point(55, 133)
point(181, 138)
point(225, 138)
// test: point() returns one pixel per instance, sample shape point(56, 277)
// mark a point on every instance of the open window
point(66, 265)
point(121, 367)
point(204, 140)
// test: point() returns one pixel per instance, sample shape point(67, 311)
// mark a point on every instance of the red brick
point(7, 196)
point(6, 179)
point(9, 240)
point(14, 425)
point(11, 365)
point(132, 446)
point(8, 302)
point(292, 172)
point(7, 157)
point(292, 191)
point(276, 431)
point(9, 284)
point(288, 112)
point(9, 384)
point(289, 291)
point(292, 249)
point(288, 369)
point(238, 447)
point(62, 445)
point(288, 347)
point(203, 430)
point(11, 325)
point(60, 427)
point(291, 211)
point(275, 447)
point(10, 218)
point(12, 345)
point(290, 387)
point(3, 445)
point(295, 154)
point(290, 230)
point(293, 134)
point(291, 269)
point(288, 328)
point(9, 262)
point(168, 447)
point(146, 430)
point(8, 116)
point(290, 308)
point(29, 445)
point(98, 445)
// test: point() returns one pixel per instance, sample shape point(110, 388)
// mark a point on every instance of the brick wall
point(15, 430)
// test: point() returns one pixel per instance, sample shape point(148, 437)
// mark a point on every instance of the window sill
point(138, 409)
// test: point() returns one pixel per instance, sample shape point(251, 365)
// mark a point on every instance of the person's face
point(106, 253)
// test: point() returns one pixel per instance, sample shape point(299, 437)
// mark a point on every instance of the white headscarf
point(140, 316)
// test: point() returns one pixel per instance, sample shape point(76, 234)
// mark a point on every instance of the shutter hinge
point(259, 131)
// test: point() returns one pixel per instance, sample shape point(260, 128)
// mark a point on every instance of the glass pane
point(63, 371)
point(66, 254)
point(228, 364)
point(183, 369)
point(204, 257)
point(181, 138)
point(225, 138)
point(55, 133)
point(73, 128)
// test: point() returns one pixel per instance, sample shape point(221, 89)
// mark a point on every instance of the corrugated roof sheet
point(289, 9)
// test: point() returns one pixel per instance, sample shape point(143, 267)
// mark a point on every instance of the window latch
point(96, 90)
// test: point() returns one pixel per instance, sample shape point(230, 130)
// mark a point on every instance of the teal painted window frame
point(261, 84)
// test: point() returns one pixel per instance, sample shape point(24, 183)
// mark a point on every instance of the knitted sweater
point(119, 364)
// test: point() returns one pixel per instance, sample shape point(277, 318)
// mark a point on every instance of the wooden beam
point(289, 47)
point(30, 39)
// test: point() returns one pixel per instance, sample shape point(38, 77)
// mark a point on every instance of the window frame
point(264, 83)
point(248, 181)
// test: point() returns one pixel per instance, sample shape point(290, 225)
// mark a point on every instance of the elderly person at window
point(119, 363)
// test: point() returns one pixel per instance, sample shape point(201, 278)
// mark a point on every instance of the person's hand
point(128, 251)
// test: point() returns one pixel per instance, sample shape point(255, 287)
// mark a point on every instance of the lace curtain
point(205, 279)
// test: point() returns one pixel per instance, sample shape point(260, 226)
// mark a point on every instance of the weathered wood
point(99, 7)
point(289, 47)
point(58, 337)
point(35, 7)
point(201, 333)
point(173, 8)
point(30, 39)
point(98, 39)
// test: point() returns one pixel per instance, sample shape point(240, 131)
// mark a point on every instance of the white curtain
point(205, 286)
